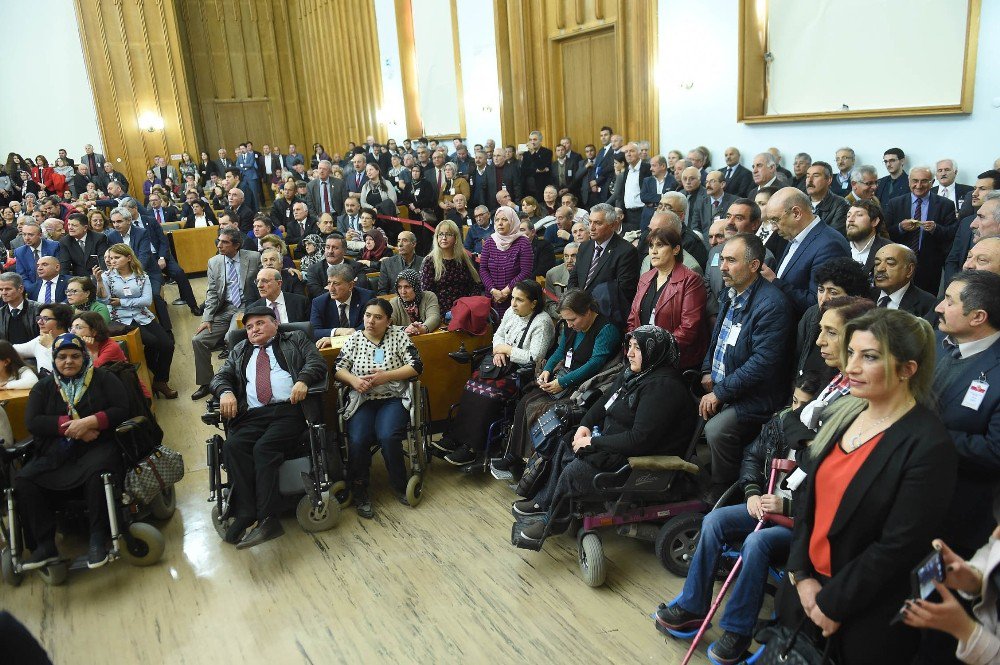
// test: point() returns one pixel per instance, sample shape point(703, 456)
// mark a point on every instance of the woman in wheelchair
point(376, 364)
point(587, 343)
point(647, 411)
point(72, 415)
point(523, 337)
point(730, 525)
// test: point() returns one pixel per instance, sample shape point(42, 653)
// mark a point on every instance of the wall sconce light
point(150, 122)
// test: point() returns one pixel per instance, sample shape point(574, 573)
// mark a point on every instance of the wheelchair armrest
point(131, 424)
point(602, 481)
point(18, 448)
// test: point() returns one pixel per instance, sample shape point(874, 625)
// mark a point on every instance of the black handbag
point(547, 432)
point(490, 370)
point(536, 472)
point(785, 646)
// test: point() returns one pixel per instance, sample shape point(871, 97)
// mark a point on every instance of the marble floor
point(437, 583)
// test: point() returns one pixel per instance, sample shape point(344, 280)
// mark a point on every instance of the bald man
point(895, 266)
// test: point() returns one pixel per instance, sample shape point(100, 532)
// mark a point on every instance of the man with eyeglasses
point(864, 180)
point(892, 185)
point(34, 248)
point(50, 287)
point(480, 231)
point(232, 284)
point(334, 249)
point(288, 307)
point(18, 315)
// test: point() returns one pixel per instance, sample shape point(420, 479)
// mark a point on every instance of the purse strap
point(524, 335)
point(783, 654)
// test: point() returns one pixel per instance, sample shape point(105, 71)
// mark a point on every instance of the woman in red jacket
point(42, 174)
point(672, 296)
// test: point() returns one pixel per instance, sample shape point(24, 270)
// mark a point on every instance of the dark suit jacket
point(27, 319)
point(37, 293)
point(961, 191)
point(219, 167)
point(325, 313)
point(976, 435)
point(544, 256)
point(79, 263)
point(314, 196)
point(139, 242)
point(532, 182)
point(780, 180)
point(618, 198)
point(740, 182)
point(571, 166)
point(116, 176)
point(833, 210)
point(798, 281)
point(701, 213)
point(244, 217)
point(26, 264)
point(878, 243)
point(934, 246)
point(155, 235)
point(604, 170)
point(650, 193)
point(477, 187)
point(316, 277)
point(169, 213)
point(296, 306)
point(916, 301)
point(900, 185)
point(960, 248)
point(511, 180)
point(883, 526)
point(618, 267)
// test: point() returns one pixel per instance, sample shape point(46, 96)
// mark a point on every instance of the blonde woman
point(448, 271)
point(126, 289)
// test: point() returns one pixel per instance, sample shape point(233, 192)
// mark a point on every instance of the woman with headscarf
point(376, 249)
point(647, 411)
point(506, 259)
point(72, 414)
point(414, 309)
point(312, 245)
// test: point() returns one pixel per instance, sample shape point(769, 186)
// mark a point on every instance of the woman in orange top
point(881, 474)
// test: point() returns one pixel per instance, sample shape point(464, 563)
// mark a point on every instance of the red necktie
point(326, 197)
point(357, 180)
point(159, 215)
point(264, 393)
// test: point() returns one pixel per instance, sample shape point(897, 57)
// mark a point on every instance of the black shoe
point(401, 497)
point(677, 618)
point(201, 393)
point(179, 301)
point(240, 523)
point(223, 354)
point(461, 456)
point(267, 529)
point(505, 463)
point(363, 504)
point(715, 493)
point(197, 311)
point(729, 649)
point(533, 531)
point(445, 444)
point(97, 555)
point(42, 556)
point(527, 508)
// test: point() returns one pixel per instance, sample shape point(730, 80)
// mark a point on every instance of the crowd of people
point(870, 304)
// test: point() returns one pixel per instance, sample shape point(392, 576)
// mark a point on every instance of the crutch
point(777, 466)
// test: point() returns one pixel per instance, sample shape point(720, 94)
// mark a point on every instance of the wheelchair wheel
point(677, 541)
point(415, 490)
point(591, 556)
point(312, 520)
point(144, 544)
point(162, 507)
point(220, 527)
point(341, 493)
point(7, 566)
point(55, 574)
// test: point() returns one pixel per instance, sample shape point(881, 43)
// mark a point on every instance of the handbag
point(547, 432)
point(490, 370)
point(785, 646)
point(536, 472)
point(154, 474)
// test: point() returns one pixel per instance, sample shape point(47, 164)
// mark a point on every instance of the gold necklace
point(856, 441)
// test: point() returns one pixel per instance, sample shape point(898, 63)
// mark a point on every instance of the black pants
point(175, 271)
point(159, 348)
point(569, 478)
point(36, 508)
point(633, 218)
point(254, 450)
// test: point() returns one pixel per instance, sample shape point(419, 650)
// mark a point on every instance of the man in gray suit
point(325, 194)
point(232, 275)
point(93, 160)
point(406, 257)
point(714, 204)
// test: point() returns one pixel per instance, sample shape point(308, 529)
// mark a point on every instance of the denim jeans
point(381, 421)
point(721, 527)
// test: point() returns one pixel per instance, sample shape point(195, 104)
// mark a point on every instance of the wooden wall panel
point(539, 85)
point(135, 65)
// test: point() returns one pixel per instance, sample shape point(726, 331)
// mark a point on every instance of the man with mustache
point(895, 266)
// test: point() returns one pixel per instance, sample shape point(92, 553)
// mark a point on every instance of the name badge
point(451, 191)
point(975, 394)
point(734, 334)
point(379, 358)
point(569, 173)
point(715, 261)
point(127, 290)
point(568, 363)
point(611, 400)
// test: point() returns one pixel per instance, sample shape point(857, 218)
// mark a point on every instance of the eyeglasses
point(446, 234)
point(72, 292)
point(44, 319)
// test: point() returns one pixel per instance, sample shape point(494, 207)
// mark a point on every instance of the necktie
point(917, 215)
point(326, 197)
point(344, 322)
point(233, 279)
point(159, 216)
point(440, 180)
point(83, 245)
point(883, 301)
point(593, 265)
point(15, 313)
point(715, 207)
point(36, 256)
point(354, 222)
point(277, 315)
point(48, 293)
point(357, 180)
point(263, 381)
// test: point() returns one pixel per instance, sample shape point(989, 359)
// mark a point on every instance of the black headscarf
point(658, 348)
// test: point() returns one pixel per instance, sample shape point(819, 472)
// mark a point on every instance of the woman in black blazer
point(881, 473)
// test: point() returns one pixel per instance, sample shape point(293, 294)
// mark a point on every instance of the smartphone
point(928, 571)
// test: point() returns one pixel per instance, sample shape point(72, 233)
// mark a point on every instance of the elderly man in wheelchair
point(260, 389)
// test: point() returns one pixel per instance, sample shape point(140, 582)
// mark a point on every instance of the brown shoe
point(163, 390)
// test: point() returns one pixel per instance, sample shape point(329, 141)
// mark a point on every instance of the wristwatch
point(796, 576)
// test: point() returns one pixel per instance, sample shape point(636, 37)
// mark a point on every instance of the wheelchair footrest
point(523, 543)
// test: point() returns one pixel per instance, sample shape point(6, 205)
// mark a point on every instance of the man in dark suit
point(744, 372)
point(604, 165)
point(238, 210)
point(563, 169)
point(986, 183)
point(281, 209)
point(81, 249)
point(714, 204)
point(354, 177)
point(829, 207)
point(341, 310)
point(865, 232)
point(947, 188)
point(895, 183)
point(334, 249)
point(349, 224)
point(235, 182)
point(136, 238)
point(287, 307)
point(628, 184)
point(109, 175)
point(51, 286)
point(501, 175)
point(579, 186)
point(222, 164)
point(925, 223)
point(738, 178)
point(405, 258)
point(543, 256)
point(765, 174)
point(692, 244)
point(659, 182)
point(162, 214)
point(810, 244)
point(607, 266)
point(567, 145)
point(325, 193)
point(840, 185)
point(18, 315)
point(694, 193)
point(477, 180)
point(894, 288)
point(34, 247)
point(536, 167)
point(78, 183)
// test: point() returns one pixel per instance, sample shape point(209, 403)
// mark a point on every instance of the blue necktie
point(48, 293)
point(233, 279)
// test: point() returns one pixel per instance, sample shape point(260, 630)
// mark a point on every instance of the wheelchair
point(415, 443)
point(649, 498)
point(311, 475)
point(133, 538)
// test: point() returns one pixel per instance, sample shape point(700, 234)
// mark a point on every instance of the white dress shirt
point(894, 298)
point(631, 195)
point(281, 381)
point(794, 245)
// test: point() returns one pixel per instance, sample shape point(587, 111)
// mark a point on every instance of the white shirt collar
point(897, 297)
point(804, 232)
point(968, 349)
